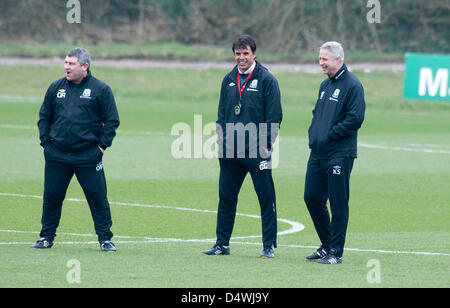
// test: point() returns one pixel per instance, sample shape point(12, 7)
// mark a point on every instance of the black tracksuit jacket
point(261, 103)
point(76, 117)
point(338, 114)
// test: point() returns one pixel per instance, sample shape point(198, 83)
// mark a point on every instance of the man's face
point(244, 58)
point(327, 62)
point(74, 71)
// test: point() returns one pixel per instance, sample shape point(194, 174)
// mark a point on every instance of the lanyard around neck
point(245, 84)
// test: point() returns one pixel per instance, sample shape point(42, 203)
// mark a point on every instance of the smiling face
point(244, 58)
point(75, 72)
point(329, 64)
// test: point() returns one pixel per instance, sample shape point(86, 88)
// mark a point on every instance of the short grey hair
point(335, 48)
point(82, 55)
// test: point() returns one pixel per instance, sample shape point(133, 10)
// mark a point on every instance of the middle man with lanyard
point(249, 117)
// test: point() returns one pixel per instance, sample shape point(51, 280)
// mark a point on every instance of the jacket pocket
point(48, 147)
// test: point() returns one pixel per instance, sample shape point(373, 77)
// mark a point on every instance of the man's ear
point(85, 67)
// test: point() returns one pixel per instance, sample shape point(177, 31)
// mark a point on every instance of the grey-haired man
point(337, 116)
point(77, 122)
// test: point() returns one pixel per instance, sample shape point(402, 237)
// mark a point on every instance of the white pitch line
point(295, 226)
point(360, 144)
point(119, 131)
point(384, 147)
point(379, 251)
point(167, 240)
point(10, 126)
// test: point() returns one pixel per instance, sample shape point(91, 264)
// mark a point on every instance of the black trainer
point(107, 246)
point(330, 258)
point(217, 250)
point(43, 243)
point(267, 253)
point(318, 254)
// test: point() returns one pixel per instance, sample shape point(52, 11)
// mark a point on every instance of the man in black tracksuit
point(249, 116)
point(77, 122)
point(337, 116)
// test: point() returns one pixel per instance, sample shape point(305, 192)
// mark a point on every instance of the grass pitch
point(164, 208)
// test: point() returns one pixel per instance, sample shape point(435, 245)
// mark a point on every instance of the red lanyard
point(245, 84)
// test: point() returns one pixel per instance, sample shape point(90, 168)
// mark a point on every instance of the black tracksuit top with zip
point(337, 116)
point(76, 117)
point(260, 103)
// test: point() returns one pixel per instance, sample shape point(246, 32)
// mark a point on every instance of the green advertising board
point(427, 76)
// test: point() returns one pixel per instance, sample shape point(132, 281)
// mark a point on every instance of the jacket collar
point(250, 69)
point(339, 73)
point(235, 70)
point(85, 79)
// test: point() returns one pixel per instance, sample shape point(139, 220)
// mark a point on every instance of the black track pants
point(232, 175)
point(59, 170)
point(328, 179)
